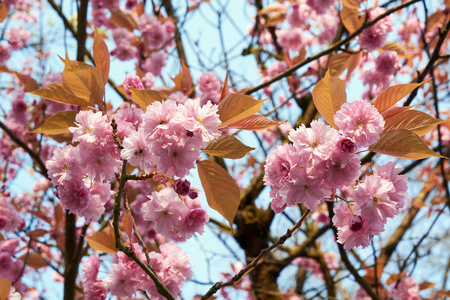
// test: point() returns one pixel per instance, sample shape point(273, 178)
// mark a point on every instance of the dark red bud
point(356, 223)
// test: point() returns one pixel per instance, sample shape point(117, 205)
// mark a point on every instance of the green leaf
point(235, 107)
point(222, 192)
point(328, 96)
point(403, 143)
point(227, 146)
point(58, 123)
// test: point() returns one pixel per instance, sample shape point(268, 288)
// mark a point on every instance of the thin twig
point(331, 49)
point(218, 285)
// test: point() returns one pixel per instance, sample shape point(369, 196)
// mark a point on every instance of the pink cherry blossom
point(406, 289)
point(136, 150)
point(132, 81)
point(388, 62)
point(320, 6)
point(208, 82)
point(389, 172)
point(316, 142)
point(5, 53)
point(166, 209)
point(373, 197)
point(360, 121)
point(64, 165)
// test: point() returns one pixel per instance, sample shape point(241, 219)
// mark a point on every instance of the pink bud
point(356, 223)
point(182, 186)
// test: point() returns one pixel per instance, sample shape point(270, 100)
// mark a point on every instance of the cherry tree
point(311, 146)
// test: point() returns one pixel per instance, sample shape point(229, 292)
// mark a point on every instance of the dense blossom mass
point(112, 202)
point(319, 161)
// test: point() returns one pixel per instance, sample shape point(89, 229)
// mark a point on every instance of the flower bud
point(182, 187)
point(193, 194)
point(347, 145)
point(356, 223)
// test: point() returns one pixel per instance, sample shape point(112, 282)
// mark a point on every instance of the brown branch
point(179, 44)
point(217, 286)
point(364, 284)
point(434, 57)
point(332, 48)
point(129, 251)
point(72, 30)
point(72, 256)
point(30, 152)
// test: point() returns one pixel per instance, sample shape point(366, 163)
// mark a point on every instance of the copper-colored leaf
point(5, 288)
point(301, 55)
point(183, 80)
point(101, 56)
point(103, 241)
point(275, 18)
point(271, 8)
point(253, 123)
point(127, 223)
point(235, 107)
point(393, 94)
point(123, 20)
point(59, 93)
point(354, 62)
point(146, 97)
point(221, 190)
point(339, 62)
point(3, 11)
point(227, 146)
point(414, 120)
point(1, 237)
point(426, 285)
point(58, 123)
point(83, 80)
point(225, 89)
point(393, 110)
point(193, 7)
point(33, 260)
point(394, 46)
point(59, 214)
point(402, 143)
point(395, 277)
point(328, 96)
point(352, 4)
point(37, 233)
point(350, 18)
point(28, 83)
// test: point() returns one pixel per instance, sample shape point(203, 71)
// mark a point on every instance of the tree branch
point(217, 286)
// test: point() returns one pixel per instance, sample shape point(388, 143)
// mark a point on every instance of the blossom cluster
point(10, 267)
point(405, 289)
point(10, 219)
point(171, 217)
point(374, 37)
point(166, 138)
point(320, 160)
point(171, 266)
point(126, 277)
point(379, 197)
